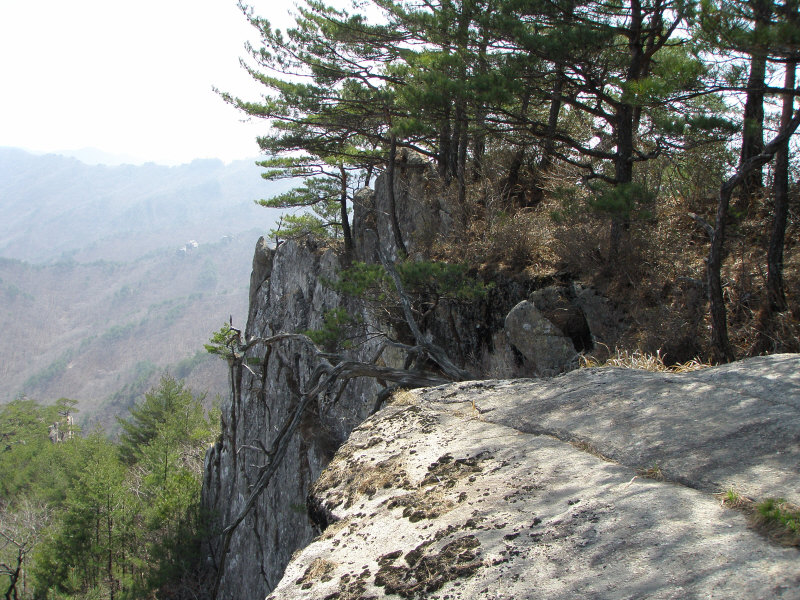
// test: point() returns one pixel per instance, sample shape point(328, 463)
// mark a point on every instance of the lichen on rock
point(510, 506)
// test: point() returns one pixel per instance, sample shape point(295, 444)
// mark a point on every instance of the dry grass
point(404, 398)
point(646, 362)
point(653, 472)
point(319, 569)
point(733, 499)
point(332, 529)
point(352, 479)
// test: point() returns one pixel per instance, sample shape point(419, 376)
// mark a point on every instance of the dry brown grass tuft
point(653, 472)
point(641, 360)
point(319, 569)
point(404, 398)
point(733, 499)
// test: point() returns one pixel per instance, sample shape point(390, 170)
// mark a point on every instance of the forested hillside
point(641, 146)
point(103, 332)
point(82, 516)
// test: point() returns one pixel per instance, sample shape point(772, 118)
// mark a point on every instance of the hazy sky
point(129, 77)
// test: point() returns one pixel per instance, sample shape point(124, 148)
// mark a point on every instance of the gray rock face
point(581, 314)
point(537, 489)
point(539, 340)
point(288, 294)
point(364, 220)
point(422, 215)
point(605, 324)
point(262, 269)
point(289, 298)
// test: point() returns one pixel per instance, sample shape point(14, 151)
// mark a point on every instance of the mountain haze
point(111, 275)
point(53, 207)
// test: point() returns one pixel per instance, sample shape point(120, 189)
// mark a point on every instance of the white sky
point(128, 77)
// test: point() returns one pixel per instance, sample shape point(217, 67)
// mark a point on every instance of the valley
point(112, 276)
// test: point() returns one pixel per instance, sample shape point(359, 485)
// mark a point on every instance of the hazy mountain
point(52, 206)
point(111, 274)
point(93, 156)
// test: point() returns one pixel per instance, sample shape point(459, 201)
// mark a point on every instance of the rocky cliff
point(513, 331)
point(603, 483)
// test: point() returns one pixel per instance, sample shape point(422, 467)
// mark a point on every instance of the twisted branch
point(323, 377)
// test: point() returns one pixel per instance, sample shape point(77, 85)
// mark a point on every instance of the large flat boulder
point(538, 489)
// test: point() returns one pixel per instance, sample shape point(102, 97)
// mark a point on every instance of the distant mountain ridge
point(53, 207)
point(93, 156)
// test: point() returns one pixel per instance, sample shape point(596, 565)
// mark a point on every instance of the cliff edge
point(603, 483)
point(515, 329)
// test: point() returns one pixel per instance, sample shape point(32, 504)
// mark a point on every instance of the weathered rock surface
point(289, 294)
point(499, 489)
point(581, 314)
point(422, 215)
point(539, 340)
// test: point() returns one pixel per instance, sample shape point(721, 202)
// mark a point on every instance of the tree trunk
point(775, 300)
point(623, 174)
point(720, 344)
point(398, 237)
point(623, 163)
point(775, 291)
point(455, 138)
point(13, 577)
point(346, 233)
point(478, 146)
point(753, 125)
point(368, 176)
point(461, 160)
point(753, 118)
point(549, 143)
point(445, 144)
point(721, 347)
point(511, 189)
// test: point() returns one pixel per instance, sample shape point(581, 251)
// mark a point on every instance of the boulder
point(589, 319)
point(539, 341)
point(597, 484)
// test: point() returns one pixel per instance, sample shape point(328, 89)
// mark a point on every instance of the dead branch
point(435, 352)
point(324, 376)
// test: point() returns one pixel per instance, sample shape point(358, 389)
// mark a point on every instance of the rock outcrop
point(287, 295)
point(290, 292)
point(539, 340)
point(597, 484)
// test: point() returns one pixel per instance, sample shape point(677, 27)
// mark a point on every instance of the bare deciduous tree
point(21, 528)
